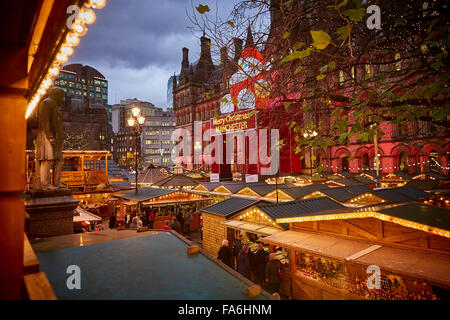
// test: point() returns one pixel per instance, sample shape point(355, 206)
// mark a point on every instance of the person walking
point(181, 221)
point(243, 262)
point(112, 221)
point(189, 218)
point(273, 278)
point(176, 226)
point(151, 219)
point(259, 262)
point(224, 254)
point(237, 246)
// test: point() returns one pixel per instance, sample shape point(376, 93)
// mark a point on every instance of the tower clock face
point(226, 106)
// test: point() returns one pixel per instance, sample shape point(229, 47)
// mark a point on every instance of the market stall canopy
point(177, 181)
point(402, 194)
point(363, 180)
point(230, 206)
point(316, 243)
point(299, 207)
point(424, 184)
point(252, 227)
point(83, 215)
point(298, 192)
point(435, 269)
point(152, 175)
point(343, 182)
point(420, 213)
point(143, 194)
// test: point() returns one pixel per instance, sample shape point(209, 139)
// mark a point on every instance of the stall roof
point(358, 190)
point(233, 186)
point(298, 192)
point(338, 194)
point(143, 194)
point(391, 196)
point(230, 206)
point(436, 175)
point(424, 214)
point(430, 267)
point(152, 175)
point(423, 184)
point(317, 243)
point(427, 266)
point(252, 227)
point(362, 180)
point(177, 180)
point(403, 175)
point(299, 208)
point(210, 185)
point(84, 215)
point(347, 182)
point(402, 194)
point(261, 189)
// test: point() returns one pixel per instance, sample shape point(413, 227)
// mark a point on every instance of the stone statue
point(49, 142)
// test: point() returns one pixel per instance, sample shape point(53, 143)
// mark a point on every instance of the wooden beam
point(360, 231)
point(405, 236)
point(30, 262)
point(380, 233)
point(37, 287)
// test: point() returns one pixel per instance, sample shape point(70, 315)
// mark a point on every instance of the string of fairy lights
point(425, 162)
point(77, 29)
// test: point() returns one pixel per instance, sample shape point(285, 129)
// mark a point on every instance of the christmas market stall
point(402, 194)
point(167, 203)
point(399, 252)
point(396, 179)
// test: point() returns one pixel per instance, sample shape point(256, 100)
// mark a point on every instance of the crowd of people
point(266, 269)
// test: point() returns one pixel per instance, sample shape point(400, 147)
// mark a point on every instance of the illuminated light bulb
point(53, 71)
point(62, 58)
point(80, 29)
point(68, 51)
point(87, 15)
point(72, 40)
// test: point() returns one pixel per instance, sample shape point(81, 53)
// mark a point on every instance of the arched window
point(433, 158)
point(344, 164)
point(366, 162)
point(403, 161)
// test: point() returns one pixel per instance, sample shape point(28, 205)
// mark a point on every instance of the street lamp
point(135, 123)
point(309, 134)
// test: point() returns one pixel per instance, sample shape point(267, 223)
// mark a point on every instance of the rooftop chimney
point(185, 62)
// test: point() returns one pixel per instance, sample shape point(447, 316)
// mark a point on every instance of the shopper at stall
point(176, 226)
point(273, 270)
point(243, 262)
point(189, 218)
point(166, 225)
point(258, 262)
point(181, 220)
point(224, 254)
point(151, 218)
point(237, 246)
point(112, 221)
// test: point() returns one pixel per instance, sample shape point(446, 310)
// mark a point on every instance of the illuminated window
point(398, 64)
point(341, 78)
point(367, 70)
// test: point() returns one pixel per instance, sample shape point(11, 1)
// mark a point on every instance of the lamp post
point(310, 134)
point(135, 123)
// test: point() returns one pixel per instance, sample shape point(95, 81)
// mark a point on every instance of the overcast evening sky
point(136, 45)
